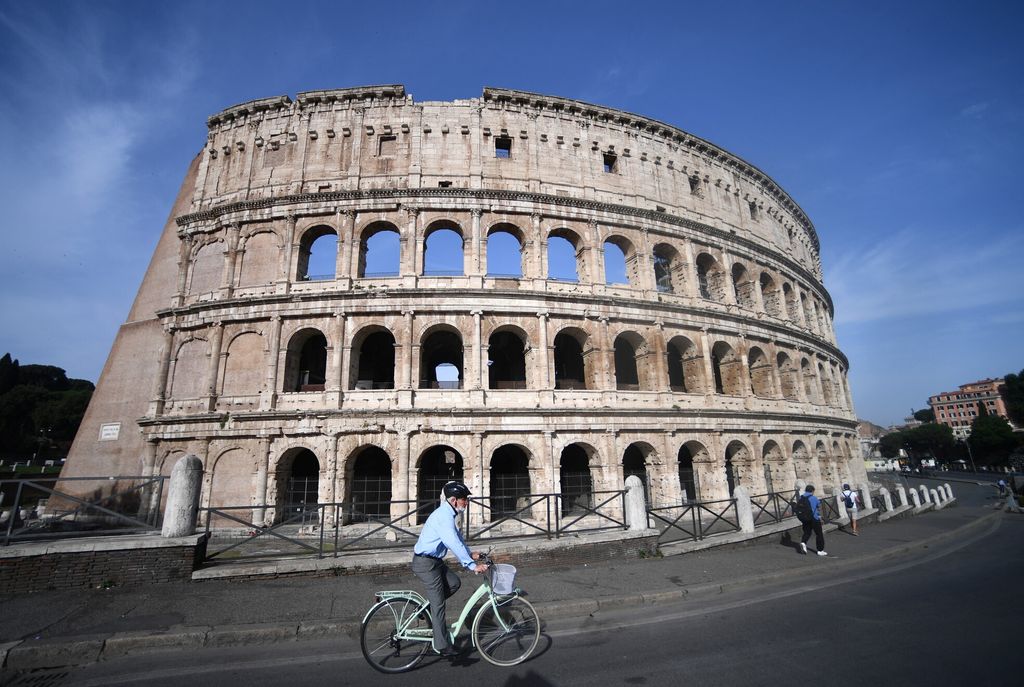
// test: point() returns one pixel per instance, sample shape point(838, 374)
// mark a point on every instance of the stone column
point(343, 273)
point(660, 366)
point(160, 388)
point(476, 374)
point(903, 495)
point(183, 497)
point(184, 258)
point(537, 265)
point(545, 355)
point(230, 253)
point(331, 473)
point(342, 355)
point(216, 340)
point(402, 481)
point(744, 509)
point(269, 400)
point(691, 271)
point(636, 504)
point(418, 242)
point(709, 370)
point(476, 266)
point(607, 356)
point(285, 277)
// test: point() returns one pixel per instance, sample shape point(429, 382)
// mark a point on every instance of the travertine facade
point(718, 356)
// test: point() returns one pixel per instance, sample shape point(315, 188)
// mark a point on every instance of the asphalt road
point(943, 617)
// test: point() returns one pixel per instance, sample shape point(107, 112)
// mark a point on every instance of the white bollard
point(915, 499)
point(744, 511)
point(903, 495)
point(865, 494)
point(636, 504)
point(886, 499)
point(949, 491)
point(924, 494)
point(1011, 502)
point(840, 506)
point(183, 497)
point(935, 498)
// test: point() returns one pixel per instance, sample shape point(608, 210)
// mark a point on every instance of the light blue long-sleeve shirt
point(439, 535)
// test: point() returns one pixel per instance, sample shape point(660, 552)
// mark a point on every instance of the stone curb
point(63, 651)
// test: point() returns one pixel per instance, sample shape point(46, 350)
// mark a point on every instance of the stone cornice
point(247, 108)
point(480, 195)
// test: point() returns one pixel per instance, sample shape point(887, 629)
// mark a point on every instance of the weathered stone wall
point(722, 340)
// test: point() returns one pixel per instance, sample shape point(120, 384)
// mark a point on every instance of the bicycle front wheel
point(506, 632)
point(382, 647)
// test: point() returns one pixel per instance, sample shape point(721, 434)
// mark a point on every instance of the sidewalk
point(70, 627)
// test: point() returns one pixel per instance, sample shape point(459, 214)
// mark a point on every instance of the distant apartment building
point(957, 409)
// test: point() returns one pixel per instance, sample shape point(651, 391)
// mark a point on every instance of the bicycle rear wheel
point(506, 632)
point(378, 637)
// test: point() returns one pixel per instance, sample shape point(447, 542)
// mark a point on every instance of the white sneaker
point(803, 547)
point(822, 553)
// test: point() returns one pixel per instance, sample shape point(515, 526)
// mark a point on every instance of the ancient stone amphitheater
point(358, 297)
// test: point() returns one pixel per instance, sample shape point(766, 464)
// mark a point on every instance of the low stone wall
point(99, 562)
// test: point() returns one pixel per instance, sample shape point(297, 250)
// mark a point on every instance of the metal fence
point(331, 529)
point(59, 507)
point(694, 520)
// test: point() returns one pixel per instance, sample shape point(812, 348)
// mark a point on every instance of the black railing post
point(322, 514)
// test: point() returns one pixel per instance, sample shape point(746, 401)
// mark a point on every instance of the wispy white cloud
point(975, 110)
point(912, 274)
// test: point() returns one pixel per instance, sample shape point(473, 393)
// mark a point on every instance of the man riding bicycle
point(439, 535)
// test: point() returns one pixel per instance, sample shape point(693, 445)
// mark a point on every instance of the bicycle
point(396, 632)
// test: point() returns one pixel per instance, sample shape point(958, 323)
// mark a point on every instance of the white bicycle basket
point(503, 578)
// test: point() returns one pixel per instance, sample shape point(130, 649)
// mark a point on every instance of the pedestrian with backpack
point(851, 500)
point(808, 512)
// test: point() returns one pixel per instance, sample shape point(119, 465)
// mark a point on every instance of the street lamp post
point(970, 455)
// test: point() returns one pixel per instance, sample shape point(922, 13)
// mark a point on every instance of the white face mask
point(460, 509)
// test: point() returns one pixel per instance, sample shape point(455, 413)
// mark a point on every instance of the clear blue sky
point(896, 126)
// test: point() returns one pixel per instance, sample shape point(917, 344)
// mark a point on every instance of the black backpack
point(802, 510)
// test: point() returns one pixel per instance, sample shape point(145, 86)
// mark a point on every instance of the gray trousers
point(440, 583)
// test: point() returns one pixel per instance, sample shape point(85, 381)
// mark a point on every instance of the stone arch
point(505, 247)
point(576, 365)
point(760, 370)
point(737, 465)
point(559, 255)
point(379, 250)
point(576, 483)
point(188, 376)
point(710, 278)
point(826, 385)
point(774, 461)
point(318, 253)
point(260, 254)
point(206, 267)
point(372, 361)
point(507, 349)
point(230, 486)
point(244, 365)
point(742, 286)
point(789, 377)
point(298, 485)
point(810, 383)
point(509, 485)
point(727, 368)
point(636, 460)
point(792, 306)
point(305, 366)
point(441, 355)
point(444, 249)
point(771, 296)
point(368, 478)
point(437, 465)
point(631, 373)
point(801, 461)
point(691, 454)
point(669, 269)
point(621, 258)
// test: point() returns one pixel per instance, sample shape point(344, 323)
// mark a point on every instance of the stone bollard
point(865, 493)
point(840, 506)
point(935, 498)
point(183, 497)
point(915, 500)
point(924, 494)
point(903, 495)
point(949, 491)
point(744, 511)
point(1011, 502)
point(886, 499)
point(800, 485)
point(636, 504)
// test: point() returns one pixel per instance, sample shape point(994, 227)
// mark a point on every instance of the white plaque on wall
point(110, 431)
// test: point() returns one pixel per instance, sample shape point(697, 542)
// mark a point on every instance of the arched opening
point(736, 460)
point(318, 254)
point(788, 377)
point(771, 296)
point(792, 308)
point(676, 370)
point(809, 317)
point(689, 485)
point(442, 252)
point(742, 286)
point(728, 370)
point(773, 460)
point(617, 251)
point(510, 481)
point(370, 486)
point(374, 360)
point(438, 465)
point(379, 251)
point(626, 375)
point(441, 361)
point(259, 259)
point(299, 485)
point(504, 252)
point(634, 462)
point(207, 268)
point(570, 372)
point(577, 486)
point(306, 362)
point(826, 385)
point(760, 373)
point(563, 247)
point(807, 372)
point(506, 361)
point(709, 278)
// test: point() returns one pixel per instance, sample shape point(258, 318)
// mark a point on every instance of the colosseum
point(358, 297)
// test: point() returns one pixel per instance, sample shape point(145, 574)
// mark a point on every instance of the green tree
point(8, 373)
point(992, 439)
point(890, 444)
point(926, 415)
point(1015, 398)
point(931, 440)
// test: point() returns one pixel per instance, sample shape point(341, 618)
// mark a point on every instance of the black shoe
point(447, 652)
